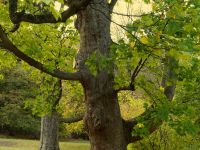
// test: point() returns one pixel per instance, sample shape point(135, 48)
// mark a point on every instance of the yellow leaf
point(144, 40)
point(140, 125)
point(1, 77)
point(161, 89)
point(132, 44)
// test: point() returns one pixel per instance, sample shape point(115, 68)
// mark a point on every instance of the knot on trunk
point(95, 119)
point(98, 118)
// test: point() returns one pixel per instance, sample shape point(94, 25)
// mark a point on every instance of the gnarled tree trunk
point(103, 119)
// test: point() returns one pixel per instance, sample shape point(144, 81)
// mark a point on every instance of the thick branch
point(131, 123)
point(72, 119)
point(153, 127)
point(8, 45)
point(17, 17)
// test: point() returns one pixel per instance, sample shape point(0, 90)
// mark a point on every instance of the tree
point(168, 28)
point(15, 120)
point(50, 122)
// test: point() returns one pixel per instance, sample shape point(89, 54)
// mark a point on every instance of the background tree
point(15, 120)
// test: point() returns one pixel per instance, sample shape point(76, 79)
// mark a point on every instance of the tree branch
point(17, 17)
point(112, 4)
point(136, 71)
point(168, 92)
point(72, 119)
point(58, 85)
point(131, 123)
point(15, 27)
point(8, 45)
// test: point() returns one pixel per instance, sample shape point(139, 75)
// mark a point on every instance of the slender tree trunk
point(103, 119)
point(49, 132)
point(169, 76)
point(50, 122)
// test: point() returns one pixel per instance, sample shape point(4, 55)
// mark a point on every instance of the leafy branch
point(8, 45)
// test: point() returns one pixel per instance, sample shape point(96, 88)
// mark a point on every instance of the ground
point(18, 144)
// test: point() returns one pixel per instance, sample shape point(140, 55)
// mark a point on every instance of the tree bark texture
point(49, 132)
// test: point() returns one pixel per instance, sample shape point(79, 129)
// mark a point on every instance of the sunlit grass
point(16, 144)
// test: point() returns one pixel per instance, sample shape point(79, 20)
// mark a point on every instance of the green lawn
point(16, 144)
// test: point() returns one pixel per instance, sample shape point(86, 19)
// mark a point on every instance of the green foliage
point(166, 138)
point(170, 35)
point(98, 62)
point(72, 105)
point(46, 96)
point(14, 117)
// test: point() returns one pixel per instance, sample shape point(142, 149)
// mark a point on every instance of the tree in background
point(48, 91)
point(15, 120)
point(105, 68)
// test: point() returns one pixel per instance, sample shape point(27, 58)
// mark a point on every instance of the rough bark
point(49, 132)
point(103, 119)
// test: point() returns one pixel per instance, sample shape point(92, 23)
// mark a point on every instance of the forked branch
point(135, 73)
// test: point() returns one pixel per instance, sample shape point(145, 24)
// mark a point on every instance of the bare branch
point(72, 119)
point(8, 45)
point(112, 4)
point(132, 15)
point(136, 71)
point(17, 17)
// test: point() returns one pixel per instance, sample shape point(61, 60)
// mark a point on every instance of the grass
point(18, 144)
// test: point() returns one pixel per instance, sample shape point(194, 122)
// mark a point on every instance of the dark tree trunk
point(49, 132)
point(103, 119)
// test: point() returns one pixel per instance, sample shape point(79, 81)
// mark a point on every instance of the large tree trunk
point(49, 132)
point(103, 119)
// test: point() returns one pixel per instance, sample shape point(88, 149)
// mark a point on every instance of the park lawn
point(18, 144)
